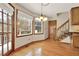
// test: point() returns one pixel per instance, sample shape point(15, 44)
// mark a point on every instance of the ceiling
point(50, 10)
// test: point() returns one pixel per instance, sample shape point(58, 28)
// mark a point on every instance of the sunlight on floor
point(35, 52)
point(66, 40)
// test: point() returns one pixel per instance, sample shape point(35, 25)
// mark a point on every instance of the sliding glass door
point(5, 32)
point(0, 32)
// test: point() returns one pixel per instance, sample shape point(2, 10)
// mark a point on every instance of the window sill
point(23, 35)
point(38, 33)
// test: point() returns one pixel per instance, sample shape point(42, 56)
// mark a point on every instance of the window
point(38, 26)
point(24, 23)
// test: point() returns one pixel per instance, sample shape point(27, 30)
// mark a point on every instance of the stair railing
point(63, 30)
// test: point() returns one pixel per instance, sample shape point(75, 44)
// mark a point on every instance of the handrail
point(63, 24)
point(63, 30)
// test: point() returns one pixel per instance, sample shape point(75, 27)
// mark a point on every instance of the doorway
point(52, 29)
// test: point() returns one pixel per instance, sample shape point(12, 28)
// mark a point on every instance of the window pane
point(5, 44)
point(38, 26)
point(10, 28)
point(37, 29)
point(0, 39)
point(5, 18)
point(24, 24)
point(0, 9)
point(5, 27)
point(0, 22)
point(24, 27)
point(0, 45)
point(10, 41)
point(0, 17)
point(5, 11)
point(10, 19)
point(0, 27)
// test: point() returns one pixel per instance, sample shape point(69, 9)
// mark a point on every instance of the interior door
point(52, 29)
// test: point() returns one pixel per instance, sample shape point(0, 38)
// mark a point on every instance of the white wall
point(46, 29)
point(20, 41)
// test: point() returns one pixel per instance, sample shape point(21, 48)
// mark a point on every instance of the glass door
point(5, 32)
point(0, 32)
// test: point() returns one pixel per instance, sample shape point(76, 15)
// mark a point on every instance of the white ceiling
point(50, 10)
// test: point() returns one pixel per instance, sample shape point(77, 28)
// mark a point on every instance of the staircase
point(63, 32)
point(66, 40)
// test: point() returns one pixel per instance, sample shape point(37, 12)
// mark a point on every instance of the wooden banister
point(62, 25)
point(63, 30)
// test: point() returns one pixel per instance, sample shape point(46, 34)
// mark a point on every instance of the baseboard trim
point(24, 46)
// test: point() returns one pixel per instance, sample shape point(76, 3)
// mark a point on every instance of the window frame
point(42, 32)
point(17, 25)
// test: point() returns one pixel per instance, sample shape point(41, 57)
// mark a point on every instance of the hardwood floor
point(47, 48)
